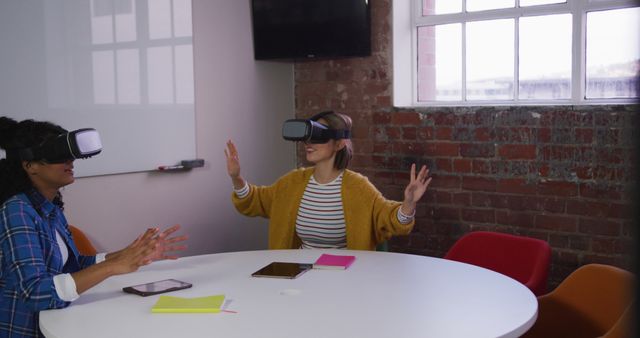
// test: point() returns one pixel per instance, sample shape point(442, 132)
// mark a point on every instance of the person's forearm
point(408, 208)
point(91, 276)
point(238, 182)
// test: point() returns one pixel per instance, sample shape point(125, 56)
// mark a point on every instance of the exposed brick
point(556, 223)
point(444, 213)
point(409, 133)
point(599, 227)
point(514, 218)
point(483, 135)
point(462, 165)
point(587, 208)
point(479, 199)
point(620, 210)
point(558, 188)
point(445, 181)
point(517, 151)
point(403, 118)
point(479, 215)
point(481, 166)
point(609, 246)
point(462, 198)
point(443, 197)
point(381, 118)
point(393, 133)
point(516, 186)
point(441, 149)
point(442, 164)
point(425, 133)
point(443, 133)
point(477, 150)
point(478, 183)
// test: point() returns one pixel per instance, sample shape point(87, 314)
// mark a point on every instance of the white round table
point(381, 295)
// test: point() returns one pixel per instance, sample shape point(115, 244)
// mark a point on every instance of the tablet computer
point(282, 270)
point(157, 287)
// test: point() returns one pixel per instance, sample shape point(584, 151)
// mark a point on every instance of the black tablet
point(282, 270)
point(157, 287)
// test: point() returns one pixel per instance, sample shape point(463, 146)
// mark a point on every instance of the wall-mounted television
point(309, 29)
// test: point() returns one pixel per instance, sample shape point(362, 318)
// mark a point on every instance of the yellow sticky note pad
point(168, 304)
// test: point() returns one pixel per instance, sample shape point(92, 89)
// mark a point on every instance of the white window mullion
point(578, 68)
point(464, 58)
point(534, 90)
point(516, 59)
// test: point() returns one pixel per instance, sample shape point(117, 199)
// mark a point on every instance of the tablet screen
point(155, 288)
point(160, 285)
point(282, 270)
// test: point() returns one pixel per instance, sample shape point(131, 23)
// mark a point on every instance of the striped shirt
point(320, 221)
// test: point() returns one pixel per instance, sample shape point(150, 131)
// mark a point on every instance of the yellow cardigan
point(369, 217)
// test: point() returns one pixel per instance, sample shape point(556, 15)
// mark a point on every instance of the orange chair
point(524, 259)
point(82, 242)
point(593, 301)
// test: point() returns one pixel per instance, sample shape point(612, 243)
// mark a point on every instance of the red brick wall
point(562, 174)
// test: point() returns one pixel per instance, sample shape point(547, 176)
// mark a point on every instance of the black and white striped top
point(320, 221)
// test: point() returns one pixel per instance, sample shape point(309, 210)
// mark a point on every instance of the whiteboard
point(124, 67)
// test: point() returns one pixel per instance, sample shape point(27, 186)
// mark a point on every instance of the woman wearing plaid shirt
point(40, 267)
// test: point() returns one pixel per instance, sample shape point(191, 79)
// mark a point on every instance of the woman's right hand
point(136, 254)
point(233, 165)
point(233, 162)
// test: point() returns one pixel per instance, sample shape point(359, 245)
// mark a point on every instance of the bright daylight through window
point(470, 52)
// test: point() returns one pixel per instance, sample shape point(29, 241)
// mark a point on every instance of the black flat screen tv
point(310, 29)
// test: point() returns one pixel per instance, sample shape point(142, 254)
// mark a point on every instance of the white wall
point(237, 98)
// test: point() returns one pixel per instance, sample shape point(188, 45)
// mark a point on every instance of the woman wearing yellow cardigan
point(327, 205)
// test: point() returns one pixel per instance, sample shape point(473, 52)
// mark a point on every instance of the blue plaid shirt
point(29, 259)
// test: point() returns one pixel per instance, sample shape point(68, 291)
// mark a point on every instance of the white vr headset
point(77, 144)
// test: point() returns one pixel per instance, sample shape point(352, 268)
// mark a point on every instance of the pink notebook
point(327, 261)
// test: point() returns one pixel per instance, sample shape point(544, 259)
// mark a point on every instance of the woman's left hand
point(166, 244)
point(415, 189)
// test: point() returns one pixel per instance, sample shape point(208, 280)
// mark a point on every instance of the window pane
point(125, 21)
point(430, 7)
point(128, 61)
point(184, 74)
point(545, 57)
point(160, 74)
point(101, 21)
point(103, 77)
point(613, 53)
point(480, 5)
point(182, 18)
point(524, 3)
point(440, 63)
point(489, 59)
point(159, 19)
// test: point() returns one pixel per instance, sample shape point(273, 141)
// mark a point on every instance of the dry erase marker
point(170, 167)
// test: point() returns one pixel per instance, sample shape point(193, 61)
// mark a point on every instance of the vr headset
point(311, 131)
point(77, 144)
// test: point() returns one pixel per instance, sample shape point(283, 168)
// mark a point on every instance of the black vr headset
point(308, 130)
point(77, 144)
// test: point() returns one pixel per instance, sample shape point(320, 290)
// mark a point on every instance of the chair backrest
point(593, 301)
point(84, 245)
point(522, 258)
point(600, 292)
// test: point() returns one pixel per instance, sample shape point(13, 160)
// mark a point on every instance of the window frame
point(407, 16)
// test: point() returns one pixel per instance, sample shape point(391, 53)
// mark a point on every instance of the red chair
point(524, 259)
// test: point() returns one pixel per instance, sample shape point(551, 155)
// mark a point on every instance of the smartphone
point(157, 287)
point(282, 270)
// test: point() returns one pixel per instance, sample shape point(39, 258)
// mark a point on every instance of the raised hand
point(233, 162)
point(136, 254)
point(415, 189)
point(165, 244)
point(233, 165)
